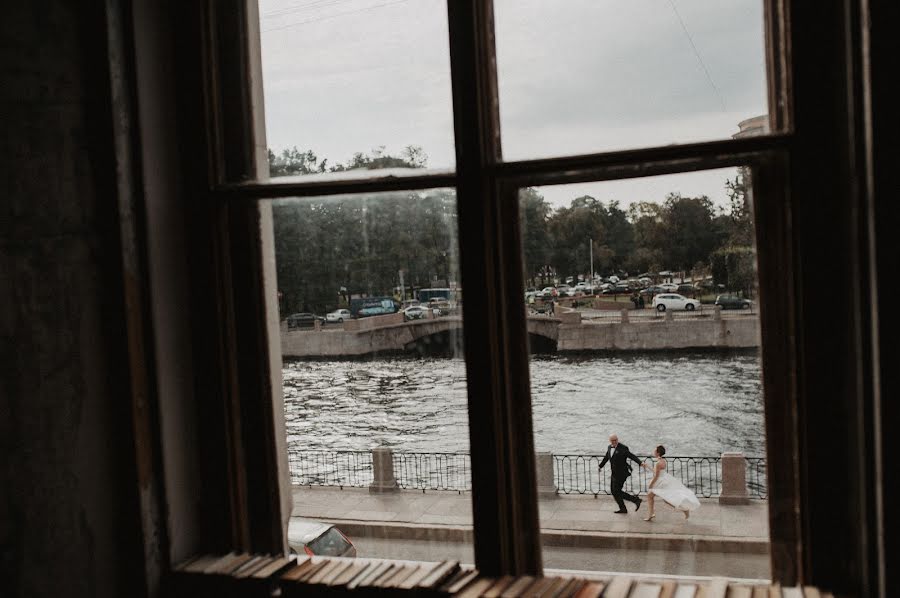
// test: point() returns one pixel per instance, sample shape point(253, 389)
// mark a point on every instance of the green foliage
point(361, 243)
point(735, 268)
point(296, 162)
point(741, 216)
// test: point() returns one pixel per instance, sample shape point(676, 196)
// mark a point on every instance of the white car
point(675, 302)
point(338, 315)
point(584, 287)
point(415, 312)
point(548, 292)
point(315, 538)
point(669, 287)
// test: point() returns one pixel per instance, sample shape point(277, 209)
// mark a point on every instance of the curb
point(564, 538)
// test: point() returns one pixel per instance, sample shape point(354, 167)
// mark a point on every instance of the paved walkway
point(566, 520)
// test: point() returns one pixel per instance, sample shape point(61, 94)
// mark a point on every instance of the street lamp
point(591, 245)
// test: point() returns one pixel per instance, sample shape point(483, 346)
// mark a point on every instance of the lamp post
point(591, 245)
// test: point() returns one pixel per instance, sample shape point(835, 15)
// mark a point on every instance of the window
point(674, 378)
point(504, 478)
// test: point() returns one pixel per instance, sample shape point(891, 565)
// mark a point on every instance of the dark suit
point(621, 469)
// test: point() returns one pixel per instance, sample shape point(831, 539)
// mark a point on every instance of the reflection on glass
point(644, 333)
point(356, 85)
point(374, 379)
point(585, 76)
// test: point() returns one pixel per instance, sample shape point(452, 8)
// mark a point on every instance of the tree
point(735, 268)
point(412, 156)
point(293, 162)
point(691, 235)
point(534, 213)
point(741, 213)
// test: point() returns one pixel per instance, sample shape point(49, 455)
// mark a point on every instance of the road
point(743, 566)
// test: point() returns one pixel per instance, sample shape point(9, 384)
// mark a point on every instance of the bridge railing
point(433, 471)
point(572, 474)
point(331, 468)
point(580, 474)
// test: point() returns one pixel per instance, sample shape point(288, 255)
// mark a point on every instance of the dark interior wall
point(69, 516)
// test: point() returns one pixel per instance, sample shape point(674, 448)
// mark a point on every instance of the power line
point(294, 8)
point(697, 54)
point(334, 16)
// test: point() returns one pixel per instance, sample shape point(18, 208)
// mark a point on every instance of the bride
point(668, 488)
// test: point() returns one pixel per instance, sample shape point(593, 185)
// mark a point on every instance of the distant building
point(758, 125)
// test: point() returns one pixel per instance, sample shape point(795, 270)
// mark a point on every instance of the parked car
point(675, 302)
point(549, 292)
point(687, 288)
point(669, 287)
point(733, 302)
point(315, 538)
point(565, 290)
point(440, 307)
point(414, 312)
point(303, 320)
point(338, 315)
point(584, 287)
point(654, 290)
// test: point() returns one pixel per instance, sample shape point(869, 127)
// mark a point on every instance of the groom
point(618, 454)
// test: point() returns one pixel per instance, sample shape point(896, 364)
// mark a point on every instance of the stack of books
point(241, 574)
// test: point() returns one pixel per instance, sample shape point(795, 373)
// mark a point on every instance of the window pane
point(586, 76)
point(643, 322)
point(356, 84)
point(373, 377)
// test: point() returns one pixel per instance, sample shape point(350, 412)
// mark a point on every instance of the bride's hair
point(661, 450)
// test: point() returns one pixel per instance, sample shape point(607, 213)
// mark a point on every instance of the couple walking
point(662, 485)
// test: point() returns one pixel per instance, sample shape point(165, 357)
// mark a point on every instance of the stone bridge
point(567, 332)
point(390, 334)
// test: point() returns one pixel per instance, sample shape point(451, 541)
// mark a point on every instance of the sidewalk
point(573, 520)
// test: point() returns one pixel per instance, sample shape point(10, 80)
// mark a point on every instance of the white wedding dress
point(671, 490)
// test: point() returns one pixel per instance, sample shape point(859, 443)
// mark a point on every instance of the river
point(697, 404)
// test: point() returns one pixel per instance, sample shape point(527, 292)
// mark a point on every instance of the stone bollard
point(317, 325)
point(546, 479)
point(670, 317)
point(717, 313)
point(734, 480)
point(383, 469)
point(624, 316)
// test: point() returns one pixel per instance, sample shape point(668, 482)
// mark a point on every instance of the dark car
point(687, 288)
point(732, 302)
point(316, 538)
point(303, 320)
point(654, 290)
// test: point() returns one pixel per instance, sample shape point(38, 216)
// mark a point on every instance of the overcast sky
point(575, 76)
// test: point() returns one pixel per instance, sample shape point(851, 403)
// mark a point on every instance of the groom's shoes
point(621, 511)
point(637, 505)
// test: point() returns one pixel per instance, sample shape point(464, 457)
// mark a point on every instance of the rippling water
point(693, 403)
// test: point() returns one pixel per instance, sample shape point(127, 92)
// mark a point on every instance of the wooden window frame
point(817, 112)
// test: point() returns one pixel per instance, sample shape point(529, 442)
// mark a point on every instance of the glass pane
point(643, 322)
point(356, 85)
point(585, 76)
point(374, 380)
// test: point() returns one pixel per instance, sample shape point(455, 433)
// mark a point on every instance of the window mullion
point(504, 495)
